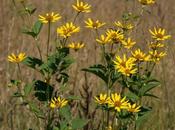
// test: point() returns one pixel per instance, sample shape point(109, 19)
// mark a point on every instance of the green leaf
point(30, 9)
point(143, 116)
point(37, 27)
point(43, 91)
point(28, 32)
point(151, 95)
point(17, 94)
point(57, 62)
point(115, 75)
point(34, 108)
point(62, 78)
point(32, 62)
point(64, 125)
point(98, 70)
point(65, 112)
point(27, 89)
point(132, 96)
point(35, 30)
point(78, 123)
point(148, 86)
point(55, 128)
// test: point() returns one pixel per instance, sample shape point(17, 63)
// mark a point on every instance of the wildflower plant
point(125, 71)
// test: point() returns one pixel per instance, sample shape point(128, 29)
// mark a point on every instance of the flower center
point(117, 104)
point(159, 35)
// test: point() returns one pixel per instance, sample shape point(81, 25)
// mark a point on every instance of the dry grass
point(11, 39)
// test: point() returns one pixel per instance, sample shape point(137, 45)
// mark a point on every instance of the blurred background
point(162, 14)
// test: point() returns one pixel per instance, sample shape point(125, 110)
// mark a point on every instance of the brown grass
point(12, 40)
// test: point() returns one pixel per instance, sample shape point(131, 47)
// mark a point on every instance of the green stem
point(48, 39)
point(103, 117)
point(113, 120)
point(20, 73)
point(38, 48)
point(76, 17)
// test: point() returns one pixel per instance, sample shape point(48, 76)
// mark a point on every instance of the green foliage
point(43, 91)
point(57, 62)
point(98, 70)
point(78, 123)
point(38, 112)
point(28, 89)
point(14, 83)
point(143, 116)
point(34, 31)
point(32, 62)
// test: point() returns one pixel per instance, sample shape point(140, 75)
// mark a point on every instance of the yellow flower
point(67, 30)
point(147, 2)
point(16, 58)
point(58, 102)
point(138, 55)
point(128, 70)
point(82, 7)
point(103, 40)
point(128, 43)
point(155, 45)
point(124, 26)
point(115, 35)
point(109, 128)
point(49, 17)
point(156, 56)
point(125, 66)
point(93, 24)
point(119, 62)
point(133, 108)
point(76, 46)
point(117, 102)
point(159, 34)
point(102, 99)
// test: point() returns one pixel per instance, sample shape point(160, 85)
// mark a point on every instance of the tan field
point(161, 14)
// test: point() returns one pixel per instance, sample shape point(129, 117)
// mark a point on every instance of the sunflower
point(16, 58)
point(76, 45)
point(102, 99)
point(82, 7)
point(159, 34)
point(58, 102)
point(128, 43)
point(147, 2)
point(124, 26)
point(103, 40)
point(138, 55)
point(94, 24)
point(133, 108)
point(117, 102)
point(49, 17)
point(67, 30)
point(115, 35)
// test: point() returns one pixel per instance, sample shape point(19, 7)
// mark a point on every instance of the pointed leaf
point(78, 123)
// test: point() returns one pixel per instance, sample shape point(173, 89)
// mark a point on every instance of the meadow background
point(162, 14)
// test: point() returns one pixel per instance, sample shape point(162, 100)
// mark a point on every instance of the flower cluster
point(157, 46)
point(117, 102)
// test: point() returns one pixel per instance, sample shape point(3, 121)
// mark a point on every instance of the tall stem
point(48, 39)
point(19, 69)
point(76, 17)
point(38, 48)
